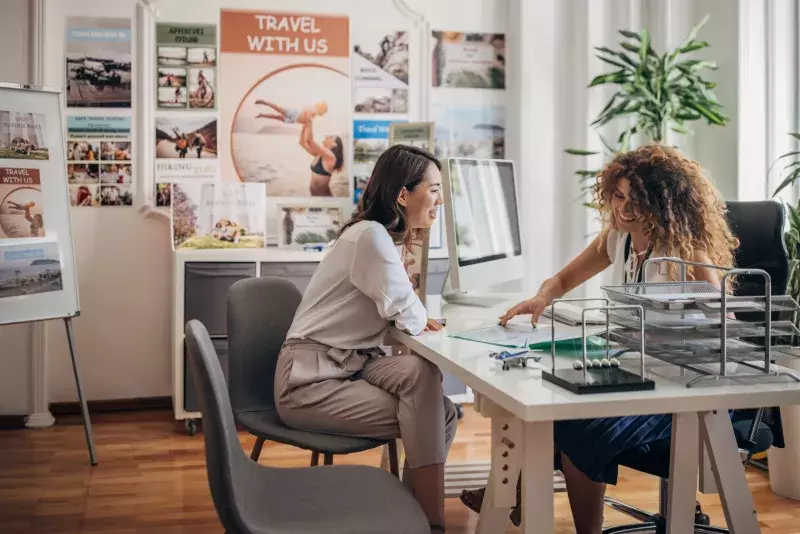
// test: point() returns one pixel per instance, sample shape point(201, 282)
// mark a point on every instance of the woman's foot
point(473, 499)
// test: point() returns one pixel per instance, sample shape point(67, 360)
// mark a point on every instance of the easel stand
point(87, 424)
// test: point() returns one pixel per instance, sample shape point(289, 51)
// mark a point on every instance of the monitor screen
point(483, 197)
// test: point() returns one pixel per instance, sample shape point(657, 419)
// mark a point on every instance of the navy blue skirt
point(593, 445)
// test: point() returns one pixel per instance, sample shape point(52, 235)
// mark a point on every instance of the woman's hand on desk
point(533, 307)
point(432, 326)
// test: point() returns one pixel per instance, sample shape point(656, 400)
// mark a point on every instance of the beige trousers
point(395, 397)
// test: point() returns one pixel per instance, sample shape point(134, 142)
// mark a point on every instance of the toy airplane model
point(514, 359)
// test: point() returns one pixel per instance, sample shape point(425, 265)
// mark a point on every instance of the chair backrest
point(260, 312)
point(226, 463)
point(759, 226)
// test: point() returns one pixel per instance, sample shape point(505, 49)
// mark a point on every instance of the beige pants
point(395, 397)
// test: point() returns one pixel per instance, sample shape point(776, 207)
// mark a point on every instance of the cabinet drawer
point(206, 291)
point(299, 273)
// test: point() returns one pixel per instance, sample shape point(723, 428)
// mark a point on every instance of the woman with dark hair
point(328, 158)
point(653, 202)
point(332, 375)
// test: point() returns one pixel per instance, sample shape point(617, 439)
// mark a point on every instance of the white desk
point(522, 408)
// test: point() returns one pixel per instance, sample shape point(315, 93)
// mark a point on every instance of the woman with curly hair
point(653, 202)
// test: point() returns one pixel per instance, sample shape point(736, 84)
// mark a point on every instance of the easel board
point(38, 278)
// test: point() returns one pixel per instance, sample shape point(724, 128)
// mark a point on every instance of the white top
point(615, 246)
point(357, 289)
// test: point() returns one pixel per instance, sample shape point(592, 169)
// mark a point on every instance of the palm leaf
point(789, 180)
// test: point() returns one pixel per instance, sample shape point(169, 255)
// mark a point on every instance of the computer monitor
point(482, 224)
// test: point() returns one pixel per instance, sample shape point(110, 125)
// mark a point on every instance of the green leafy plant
point(661, 92)
point(792, 235)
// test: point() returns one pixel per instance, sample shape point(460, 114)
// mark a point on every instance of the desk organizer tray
point(663, 296)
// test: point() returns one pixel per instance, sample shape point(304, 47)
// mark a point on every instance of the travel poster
point(380, 71)
point(186, 60)
point(98, 62)
point(218, 215)
point(285, 106)
point(469, 60)
point(99, 160)
point(21, 207)
point(22, 136)
point(370, 140)
point(29, 269)
point(303, 226)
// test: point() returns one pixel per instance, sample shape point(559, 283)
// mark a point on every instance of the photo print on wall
point(469, 131)
point(186, 60)
point(380, 71)
point(370, 140)
point(218, 215)
point(286, 101)
point(99, 160)
point(98, 62)
point(469, 60)
point(186, 149)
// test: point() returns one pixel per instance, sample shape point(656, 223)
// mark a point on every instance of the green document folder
point(517, 336)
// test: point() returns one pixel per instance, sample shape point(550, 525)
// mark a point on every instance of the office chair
point(759, 226)
point(260, 312)
point(253, 499)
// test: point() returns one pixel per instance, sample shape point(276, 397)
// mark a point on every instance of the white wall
point(15, 340)
point(122, 347)
point(124, 350)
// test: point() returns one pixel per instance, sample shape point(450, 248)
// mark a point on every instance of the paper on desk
point(513, 335)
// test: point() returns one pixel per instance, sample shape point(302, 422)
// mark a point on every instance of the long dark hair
point(398, 167)
point(338, 151)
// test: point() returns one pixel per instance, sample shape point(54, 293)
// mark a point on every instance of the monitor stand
point(451, 296)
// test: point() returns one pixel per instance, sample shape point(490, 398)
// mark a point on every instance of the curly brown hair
point(681, 209)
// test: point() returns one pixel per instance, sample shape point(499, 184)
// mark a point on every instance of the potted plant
point(792, 235)
point(661, 92)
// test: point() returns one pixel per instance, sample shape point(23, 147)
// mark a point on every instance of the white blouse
point(357, 289)
point(615, 246)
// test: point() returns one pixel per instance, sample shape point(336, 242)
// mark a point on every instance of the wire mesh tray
point(664, 296)
point(696, 325)
point(699, 346)
point(778, 303)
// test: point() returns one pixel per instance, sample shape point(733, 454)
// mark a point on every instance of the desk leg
point(684, 454)
point(737, 502)
point(501, 488)
point(537, 478)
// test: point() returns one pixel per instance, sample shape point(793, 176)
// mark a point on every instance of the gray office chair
point(260, 312)
point(251, 498)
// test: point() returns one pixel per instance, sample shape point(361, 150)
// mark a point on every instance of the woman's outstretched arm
point(304, 140)
point(314, 147)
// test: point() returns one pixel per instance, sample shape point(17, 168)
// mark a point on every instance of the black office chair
point(759, 226)
point(260, 312)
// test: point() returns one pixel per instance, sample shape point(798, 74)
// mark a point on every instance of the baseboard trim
point(12, 422)
point(113, 405)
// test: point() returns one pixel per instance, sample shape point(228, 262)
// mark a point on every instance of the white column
point(530, 137)
point(40, 416)
point(752, 150)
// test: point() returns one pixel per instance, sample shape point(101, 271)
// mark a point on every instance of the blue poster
point(370, 139)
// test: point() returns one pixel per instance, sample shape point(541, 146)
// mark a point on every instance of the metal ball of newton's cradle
point(577, 365)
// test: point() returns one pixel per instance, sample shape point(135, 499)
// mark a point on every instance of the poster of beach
point(22, 136)
point(21, 209)
point(469, 131)
point(98, 62)
point(29, 269)
point(380, 71)
point(285, 89)
point(370, 140)
point(469, 60)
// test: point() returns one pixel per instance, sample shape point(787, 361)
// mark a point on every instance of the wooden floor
point(151, 478)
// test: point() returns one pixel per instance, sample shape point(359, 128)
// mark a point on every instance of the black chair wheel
point(460, 411)
point(700, 518)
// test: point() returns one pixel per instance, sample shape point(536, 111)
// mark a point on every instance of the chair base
point(655, 523)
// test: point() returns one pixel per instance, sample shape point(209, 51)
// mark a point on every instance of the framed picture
point(418, 134)
point(308, 225)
